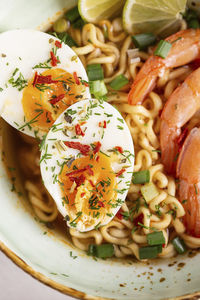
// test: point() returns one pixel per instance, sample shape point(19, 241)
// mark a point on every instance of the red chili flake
point(160, 112)
point(92, 184)
point(76, 78)
point(90, 171)
point(84, 149)
point(97, 147)
point(97, 158)
point(78, 180)
point(103, 125)
point(54, 60)
point(137, 220)
point(82, 195)
point(76, 172)
point(119, 214)
point(101, 204)
point(35, 79)
point(58, 44)
point(120, 172)
point(181, 139)
point(39, 79)
point(163, 245)
point(85, 84)
point(82, 123)
point(56, 99)
point(119, 149)
point(79, 130)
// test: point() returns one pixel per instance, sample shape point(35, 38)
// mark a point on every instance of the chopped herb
point(73, 256)
point(163, 49)
point(20, 83)
point(101, 251)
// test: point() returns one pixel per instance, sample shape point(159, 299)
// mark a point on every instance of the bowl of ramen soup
point(99, 138)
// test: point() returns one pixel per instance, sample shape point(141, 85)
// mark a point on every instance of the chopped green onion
point(79, 23)
point(155, 238)
point(193, 23)
point(72, 14)
point(163, 49)
point(101, 251)
point(144, 40)
point(159, 247)
point(60, 25)
point(98, 88)
point(119, 82)
point(149, 191)
point(65, 38)
point(179, 245)
point(190, 14)
point(95, 72)
point(149, 252)
point(141, 177)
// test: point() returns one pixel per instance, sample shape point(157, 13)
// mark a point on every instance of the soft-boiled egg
point(87, 162)
point(39, 78)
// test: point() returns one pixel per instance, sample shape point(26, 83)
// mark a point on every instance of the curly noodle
point(163, 212)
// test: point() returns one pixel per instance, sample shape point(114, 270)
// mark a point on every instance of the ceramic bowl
point(50, 258)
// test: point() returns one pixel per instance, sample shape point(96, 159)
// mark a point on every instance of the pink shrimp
point(183, 103)
point(188, 172)
point(185, 48)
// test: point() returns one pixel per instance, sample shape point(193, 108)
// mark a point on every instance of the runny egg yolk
point(43, 101)
point(89, 189)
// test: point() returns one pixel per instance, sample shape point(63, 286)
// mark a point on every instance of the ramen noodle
point(114, 51)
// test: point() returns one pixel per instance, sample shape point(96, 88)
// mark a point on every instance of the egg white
point(23, 49)
point(52, 157)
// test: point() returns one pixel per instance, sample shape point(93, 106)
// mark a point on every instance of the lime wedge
point(94, 11)
point(161, 17)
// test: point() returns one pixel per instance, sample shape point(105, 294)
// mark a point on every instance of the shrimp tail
point(185, 48)
point(188, 171)
point(169, 146)
point(145, 80)
point(140, 89)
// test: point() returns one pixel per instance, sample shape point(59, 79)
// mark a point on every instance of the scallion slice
point(72, 14)
point(119, 82)
point(163, 49)
point(149, 191)
point(95, 72)
point(148, 252)
point(101, 251)
point(98, 88)
point(155, 238)
point(144, 40)
point(193, 23)
point(66, 38)
point(79, 23)
point(179, 245)
point(141, 177)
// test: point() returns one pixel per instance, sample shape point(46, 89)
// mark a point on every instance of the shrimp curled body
point(188, 171)
point(185, 48)
point(178, 110)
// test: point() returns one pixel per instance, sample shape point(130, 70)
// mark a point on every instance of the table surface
point(16, 284)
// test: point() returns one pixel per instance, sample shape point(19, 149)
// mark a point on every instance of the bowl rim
point(63, 288)
point(42, 278)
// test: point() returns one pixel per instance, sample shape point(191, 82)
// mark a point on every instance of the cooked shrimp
point(188, 171)
point(183, 103)
point(185, 48)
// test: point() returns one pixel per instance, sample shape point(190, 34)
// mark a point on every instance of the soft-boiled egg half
point(39, 78)
point(87, 162)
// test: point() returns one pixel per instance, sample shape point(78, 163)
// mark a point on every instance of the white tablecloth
point(16, 284)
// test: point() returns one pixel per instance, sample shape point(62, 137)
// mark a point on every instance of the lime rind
point(152, 15)
point(94, 11)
